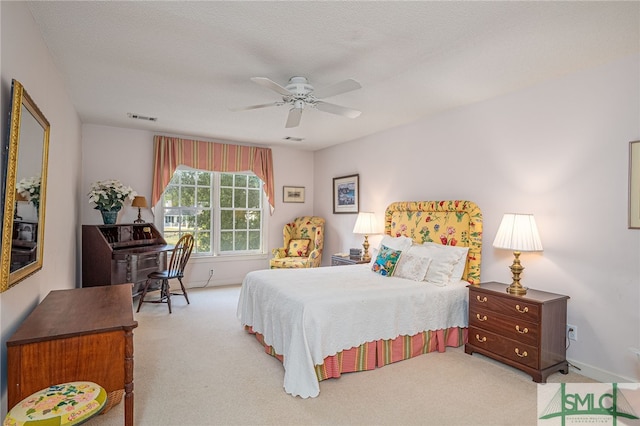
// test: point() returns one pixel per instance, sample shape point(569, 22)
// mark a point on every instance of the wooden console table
point(78, 334)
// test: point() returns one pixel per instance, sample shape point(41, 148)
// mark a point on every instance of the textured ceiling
point(188, 63)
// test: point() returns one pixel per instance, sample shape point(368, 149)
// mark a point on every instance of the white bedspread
point(309, 314)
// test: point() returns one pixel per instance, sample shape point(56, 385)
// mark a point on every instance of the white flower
point(110, 194)
point(29, 188)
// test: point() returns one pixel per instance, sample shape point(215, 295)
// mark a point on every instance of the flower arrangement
point(29, 188)
point(110, 195)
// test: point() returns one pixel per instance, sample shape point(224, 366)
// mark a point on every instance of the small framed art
point(293, 194)
point(634, 185)
point(346, 194)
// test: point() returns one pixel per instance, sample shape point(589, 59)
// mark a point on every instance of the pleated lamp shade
point(365, 224)
point(518, 232)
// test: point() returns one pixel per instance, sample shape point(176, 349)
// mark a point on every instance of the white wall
point(26, 58)
point(558, 150)
point(127, 155)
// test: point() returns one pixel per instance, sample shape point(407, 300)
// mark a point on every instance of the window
point(223, 211)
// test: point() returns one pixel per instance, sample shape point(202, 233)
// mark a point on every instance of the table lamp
point(139, 202)
point(517, 232)
point(365, 224)
point(19, 197)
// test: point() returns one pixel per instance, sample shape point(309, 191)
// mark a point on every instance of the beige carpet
point(198, 367)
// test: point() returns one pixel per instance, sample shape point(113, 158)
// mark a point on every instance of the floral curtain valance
point(169, 153)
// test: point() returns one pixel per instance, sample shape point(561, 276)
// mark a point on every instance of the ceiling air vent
point(141, 117)
point(291, 138)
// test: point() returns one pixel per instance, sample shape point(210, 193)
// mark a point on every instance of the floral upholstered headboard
point(454, 222)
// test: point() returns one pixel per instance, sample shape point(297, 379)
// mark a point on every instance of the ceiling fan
point(300, 94)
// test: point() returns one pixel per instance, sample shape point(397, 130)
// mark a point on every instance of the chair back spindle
point(180, 256)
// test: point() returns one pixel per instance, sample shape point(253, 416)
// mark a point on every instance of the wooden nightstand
point(526, 332)
point(339, 260)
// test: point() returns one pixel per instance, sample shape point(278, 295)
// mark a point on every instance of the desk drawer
point(149, 262)
point(133, 268)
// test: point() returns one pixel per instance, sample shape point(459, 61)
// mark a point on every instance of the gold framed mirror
point(25, 189)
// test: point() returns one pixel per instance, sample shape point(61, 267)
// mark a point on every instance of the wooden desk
point(78, 334)
point(117, 254)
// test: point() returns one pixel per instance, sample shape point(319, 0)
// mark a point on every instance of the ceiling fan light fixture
point(299, 86)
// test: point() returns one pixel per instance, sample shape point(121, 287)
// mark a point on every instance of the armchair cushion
point(298, 247)
point(290, 262)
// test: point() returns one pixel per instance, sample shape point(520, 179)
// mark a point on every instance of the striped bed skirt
point(380, 352)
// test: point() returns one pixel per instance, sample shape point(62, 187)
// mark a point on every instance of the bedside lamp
point(517, 232)
point(139, 202)
point(365, 224)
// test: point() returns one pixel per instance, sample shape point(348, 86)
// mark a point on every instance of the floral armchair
point(303, 243)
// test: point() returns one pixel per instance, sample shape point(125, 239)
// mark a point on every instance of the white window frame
point(215, 220)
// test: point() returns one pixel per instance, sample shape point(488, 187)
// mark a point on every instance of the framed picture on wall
point(634, 185)
point(293, 194)
point(346, 194)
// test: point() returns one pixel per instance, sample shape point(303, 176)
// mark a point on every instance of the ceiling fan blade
point(336, 89)
point(293, 120)
point(255, 106)
point(337, 109)
point(270, 84)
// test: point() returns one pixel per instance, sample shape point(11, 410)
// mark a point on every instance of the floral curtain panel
point(170, 152)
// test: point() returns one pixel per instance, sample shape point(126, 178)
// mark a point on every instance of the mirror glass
point(24, 189)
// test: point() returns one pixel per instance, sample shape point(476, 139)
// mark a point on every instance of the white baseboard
point(211, 283)
point(598, 374)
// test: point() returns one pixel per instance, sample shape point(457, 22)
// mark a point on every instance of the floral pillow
point(298, 248)
point(386, 261)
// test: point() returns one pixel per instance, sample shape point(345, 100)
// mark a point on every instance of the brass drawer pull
point(481, 318)
point(524, 354)
point(481, 300)
point(484, 339)
point(523, 331)
point(522, 311)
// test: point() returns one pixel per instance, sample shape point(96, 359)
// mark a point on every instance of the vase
point(109, 217)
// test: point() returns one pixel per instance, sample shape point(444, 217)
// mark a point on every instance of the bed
point(322, 322)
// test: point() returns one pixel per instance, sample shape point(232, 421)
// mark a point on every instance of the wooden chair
point(175, 270)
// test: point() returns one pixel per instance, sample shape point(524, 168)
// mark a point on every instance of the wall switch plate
point(572, 332)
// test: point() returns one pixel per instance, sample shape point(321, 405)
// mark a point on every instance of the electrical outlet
point(572, 332)
point(211, 272)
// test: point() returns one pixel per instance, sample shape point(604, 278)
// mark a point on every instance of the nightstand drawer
point(507, 348)
point(505, 325)
point(339, 260)
point(505, 305)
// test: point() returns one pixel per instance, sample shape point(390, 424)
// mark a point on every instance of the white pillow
point(374, 255)
point(412, 267)
point(401, 243)
point(442, 262)
point(458, 267)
